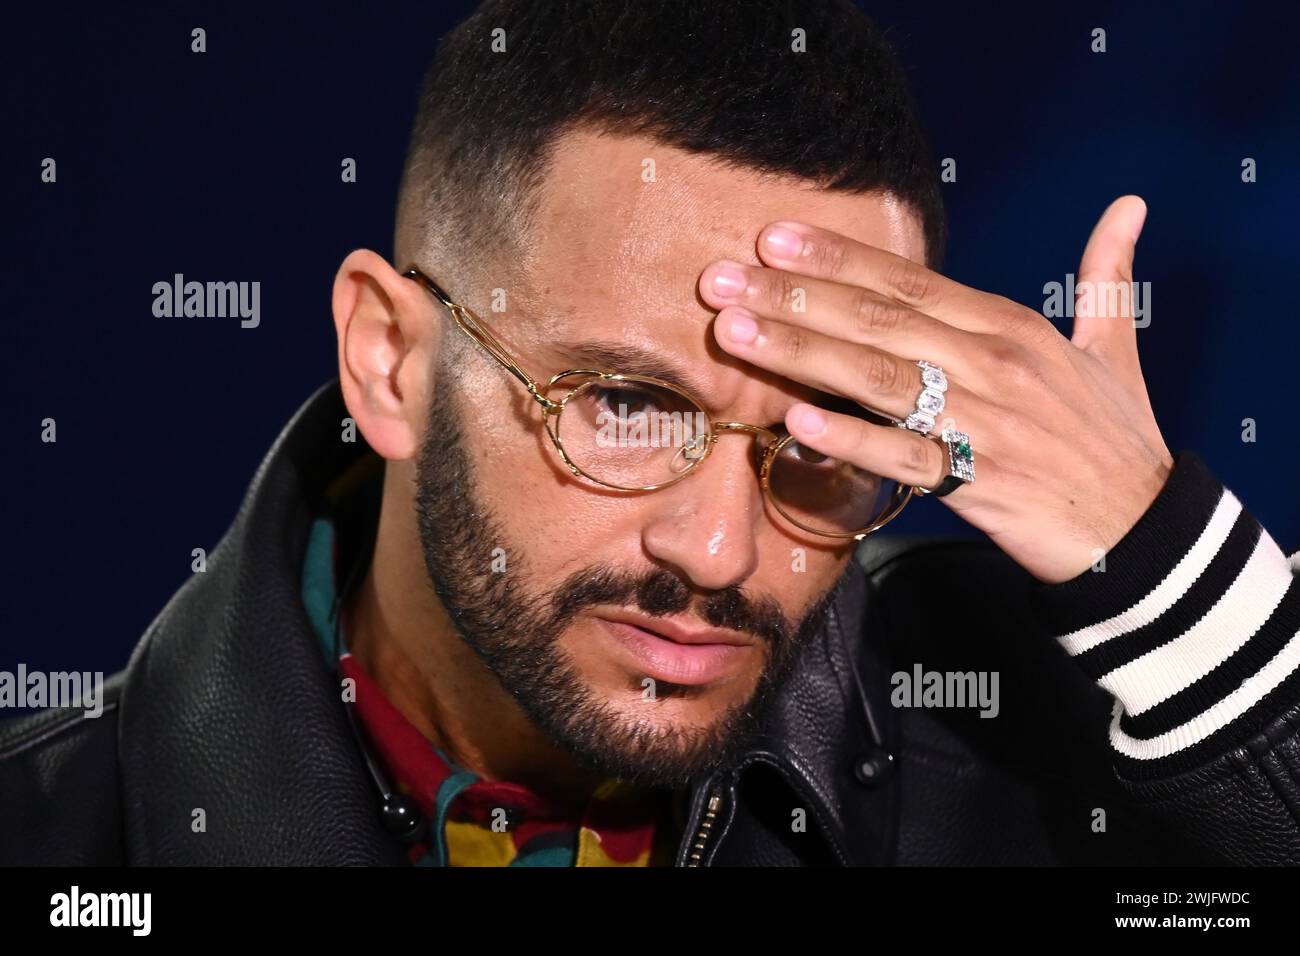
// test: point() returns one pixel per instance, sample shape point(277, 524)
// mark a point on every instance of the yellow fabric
point(474, 844)
point(469, 844)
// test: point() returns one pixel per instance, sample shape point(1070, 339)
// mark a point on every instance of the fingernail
point(783, 243)
point(742, 328)
point(810, 421)
point(728, 281)
point(1138, 221)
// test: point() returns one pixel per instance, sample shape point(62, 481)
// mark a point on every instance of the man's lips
point(670, 651)
point(678, 631)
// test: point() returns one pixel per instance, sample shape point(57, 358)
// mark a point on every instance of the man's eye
point(626, 402)
point(805, 455)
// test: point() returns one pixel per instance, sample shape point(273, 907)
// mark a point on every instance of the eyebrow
point(631, 359)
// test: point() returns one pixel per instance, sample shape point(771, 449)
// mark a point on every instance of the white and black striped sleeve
point(1193, 627)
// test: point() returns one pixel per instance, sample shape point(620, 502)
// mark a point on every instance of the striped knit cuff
point(1193, 627)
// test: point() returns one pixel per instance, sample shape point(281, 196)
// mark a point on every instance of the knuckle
point(881, 373)
point(794, 344)
point(828, 256)
point(1004, 358)
point(918, 457)
point(911, 281)
point(1023, 373)
point(1038, 332)
point(779, 291)
point(873, 317)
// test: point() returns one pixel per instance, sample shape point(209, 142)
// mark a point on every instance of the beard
point(515, 629)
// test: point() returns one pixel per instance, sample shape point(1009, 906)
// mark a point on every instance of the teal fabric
point(318, 584)
point(450, 789)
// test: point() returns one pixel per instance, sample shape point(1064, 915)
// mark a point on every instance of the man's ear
point(387, 344)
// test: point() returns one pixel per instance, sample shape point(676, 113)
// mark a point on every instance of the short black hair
point(716, 77)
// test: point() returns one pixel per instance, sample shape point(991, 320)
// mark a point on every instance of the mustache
point(662, 593)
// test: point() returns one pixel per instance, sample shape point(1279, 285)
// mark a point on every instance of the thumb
point(1104, 291)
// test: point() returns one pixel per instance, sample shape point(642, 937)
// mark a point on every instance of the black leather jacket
point(226, 706)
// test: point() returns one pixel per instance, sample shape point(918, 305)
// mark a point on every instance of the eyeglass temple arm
point(472, 327)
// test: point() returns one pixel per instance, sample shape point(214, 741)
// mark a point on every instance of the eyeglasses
point(640, 433)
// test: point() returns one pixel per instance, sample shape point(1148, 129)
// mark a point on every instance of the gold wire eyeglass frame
point(477, 330)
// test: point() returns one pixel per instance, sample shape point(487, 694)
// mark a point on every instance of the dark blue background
point(226, 166)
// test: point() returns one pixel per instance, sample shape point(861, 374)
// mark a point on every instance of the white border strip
point(1233, 620)
point(1168, 592)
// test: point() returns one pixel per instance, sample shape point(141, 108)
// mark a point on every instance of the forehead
point(625, 225)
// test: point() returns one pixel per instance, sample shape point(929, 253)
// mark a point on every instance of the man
point(474, 611)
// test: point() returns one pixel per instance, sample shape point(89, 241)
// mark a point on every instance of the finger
point(881, 449)
point(841, 311)
point(872, 377)
point(1104, 303)
point(820, 253)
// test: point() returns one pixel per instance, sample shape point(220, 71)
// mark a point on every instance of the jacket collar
point(831, 737)
point(235, 748)
point(233, 742)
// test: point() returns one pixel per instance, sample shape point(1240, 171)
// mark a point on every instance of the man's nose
point(705, 526)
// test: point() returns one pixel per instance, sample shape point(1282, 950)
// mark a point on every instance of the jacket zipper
point(705, 830)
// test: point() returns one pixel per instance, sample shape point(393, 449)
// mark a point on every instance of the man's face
point(614, 259)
